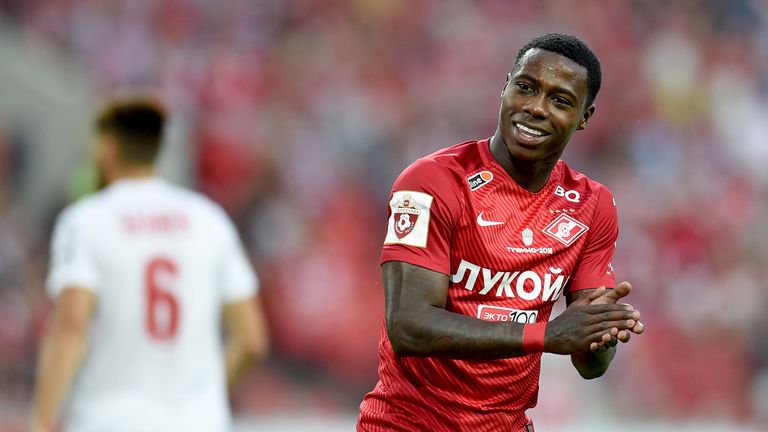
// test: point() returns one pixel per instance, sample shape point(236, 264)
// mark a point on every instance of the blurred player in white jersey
point(143, 273)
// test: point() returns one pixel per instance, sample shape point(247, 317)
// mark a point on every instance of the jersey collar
point(498, 170)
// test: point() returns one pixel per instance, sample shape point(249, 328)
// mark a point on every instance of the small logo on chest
point(565, 229)
point(480, 179)
point(484, 223)
point(527, 236)
point(558, 211)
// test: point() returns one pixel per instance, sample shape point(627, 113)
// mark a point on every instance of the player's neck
point(530, 175)
point(131, 172)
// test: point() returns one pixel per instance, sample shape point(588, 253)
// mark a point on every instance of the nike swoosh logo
point(482, 222)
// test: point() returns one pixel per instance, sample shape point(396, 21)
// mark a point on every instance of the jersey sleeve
point(238, 280)
point(424, 206)
point(73, 261)
point(594, 268)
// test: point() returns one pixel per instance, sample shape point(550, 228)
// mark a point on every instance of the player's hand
point(609, 340)
point(603, 295)
point(582, 325)
point(606, 296)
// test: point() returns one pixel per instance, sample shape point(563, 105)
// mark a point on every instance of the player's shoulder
point(453, 161)
point(581, 184)
point(82, 210)
point(198, 203)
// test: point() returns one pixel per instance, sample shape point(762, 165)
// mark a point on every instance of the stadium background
point(297, 115)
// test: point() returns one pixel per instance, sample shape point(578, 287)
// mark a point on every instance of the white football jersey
point(161, 261)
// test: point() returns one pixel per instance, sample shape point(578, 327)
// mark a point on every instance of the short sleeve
point(238, 279)
point(73, 260)
point(594, 268)
point(424, 207)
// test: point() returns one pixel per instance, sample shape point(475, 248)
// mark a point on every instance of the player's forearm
point(434, 331)
point(59, 359)
point(592, 364)
point(419, 325)
point(239, 358)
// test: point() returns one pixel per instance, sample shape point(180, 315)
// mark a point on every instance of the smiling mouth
point(529, 135)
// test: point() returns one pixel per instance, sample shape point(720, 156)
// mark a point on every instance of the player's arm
point(593, 270)
point(593, 362)
point(419, 325)
point(247, 339)
point(60, 355)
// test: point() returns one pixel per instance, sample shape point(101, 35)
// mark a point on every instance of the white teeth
point(529, 130)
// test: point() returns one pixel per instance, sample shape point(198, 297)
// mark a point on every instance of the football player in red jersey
point(483, 237)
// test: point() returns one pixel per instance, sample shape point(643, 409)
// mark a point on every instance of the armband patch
point(409, 218)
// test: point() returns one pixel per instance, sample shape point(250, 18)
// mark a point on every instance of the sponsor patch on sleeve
point(409, 219)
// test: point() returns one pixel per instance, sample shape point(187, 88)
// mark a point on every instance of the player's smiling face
point(542, 105)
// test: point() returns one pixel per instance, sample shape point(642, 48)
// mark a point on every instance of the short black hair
point(137, 125)
point(573, 48)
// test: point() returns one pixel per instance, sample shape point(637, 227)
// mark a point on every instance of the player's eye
point(523, 87)
point(561, 101)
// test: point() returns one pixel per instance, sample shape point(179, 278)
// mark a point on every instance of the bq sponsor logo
point(480, 179)
point(570, 195)
point(527, 285)
point(497, 313)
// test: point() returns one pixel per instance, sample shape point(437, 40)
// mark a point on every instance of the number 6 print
point(162, 311)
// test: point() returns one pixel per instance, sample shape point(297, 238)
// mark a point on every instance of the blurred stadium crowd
point(297, 115)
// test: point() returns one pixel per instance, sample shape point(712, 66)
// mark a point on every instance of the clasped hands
point(602, 295)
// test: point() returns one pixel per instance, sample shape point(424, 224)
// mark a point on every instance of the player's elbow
point(591, 365)
point(401, 335)
point(591, 374)
point(398, 346)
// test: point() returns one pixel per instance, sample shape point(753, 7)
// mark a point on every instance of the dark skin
point(594, 362)
point(419, 325)
point(547, 95)
point(546, 92)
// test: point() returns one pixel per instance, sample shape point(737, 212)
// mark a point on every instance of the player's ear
point(585, 117)
point(506, 83)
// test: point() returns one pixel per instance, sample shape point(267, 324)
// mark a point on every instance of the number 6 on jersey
point(162, 307)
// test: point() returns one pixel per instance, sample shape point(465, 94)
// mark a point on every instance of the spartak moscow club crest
point(406, 213)
point(565, 229)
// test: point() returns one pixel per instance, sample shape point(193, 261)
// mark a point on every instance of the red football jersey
point(510, 254)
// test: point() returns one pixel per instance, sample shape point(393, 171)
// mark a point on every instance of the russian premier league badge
point(409, 220)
